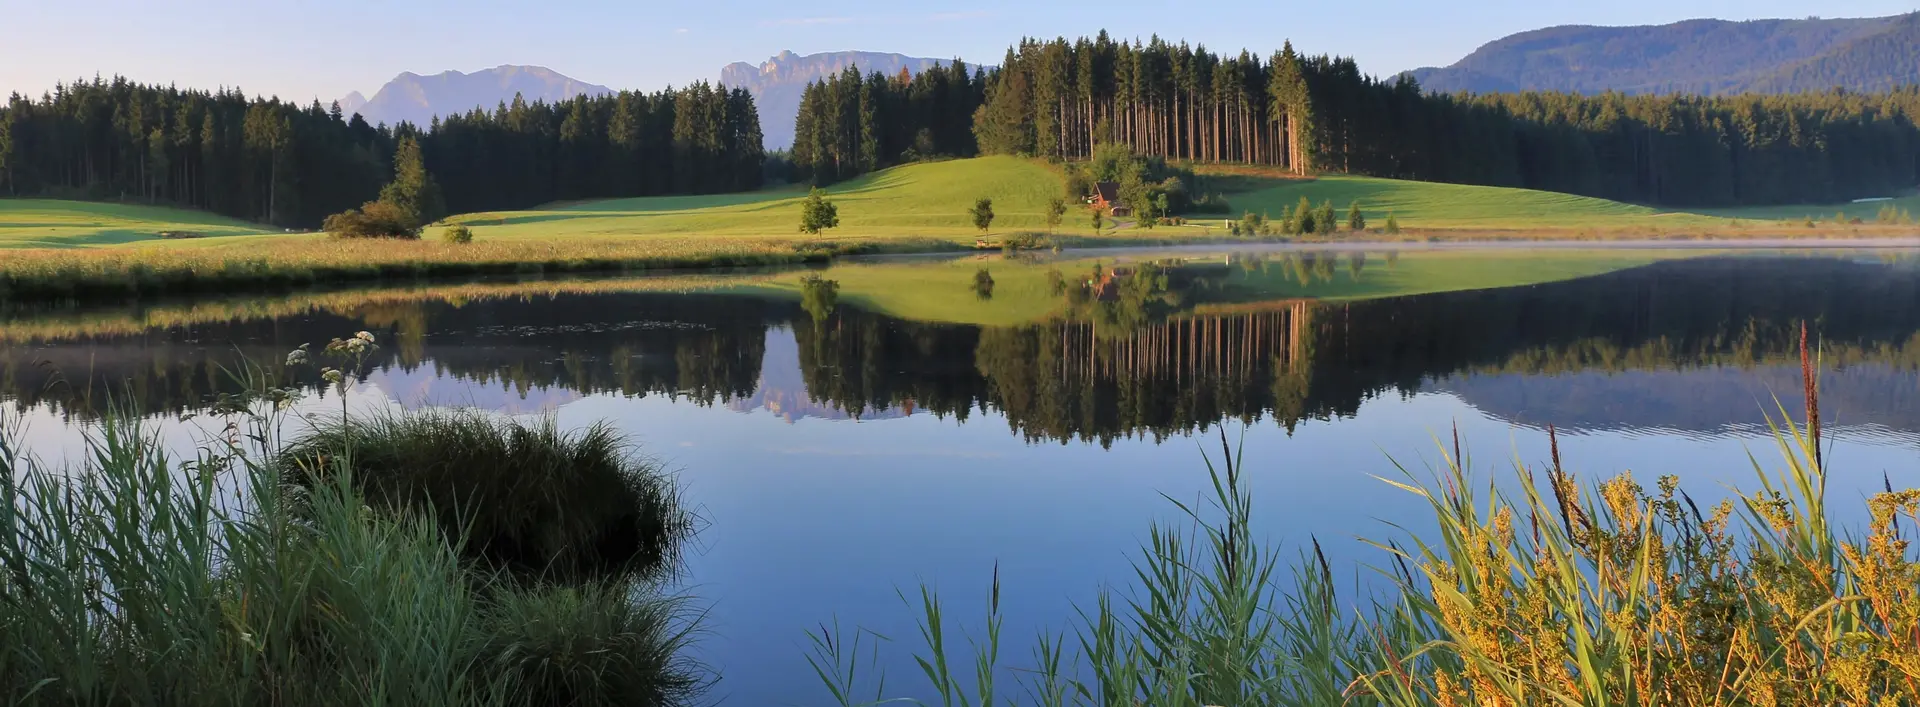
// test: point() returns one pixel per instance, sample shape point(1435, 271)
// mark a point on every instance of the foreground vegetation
point(1547, 593)
point(342, 569)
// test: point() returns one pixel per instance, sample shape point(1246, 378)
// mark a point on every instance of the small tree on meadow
point(817, 213)
point(1323, 219)
point(1097, 221)
point(1393, 226)
point(1302, 220)
point(1356, 221)
point(1056, 208)
point(982, 213)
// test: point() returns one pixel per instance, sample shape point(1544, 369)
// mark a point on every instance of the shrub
point(1024, 241)
point(1393, 225)
point(457, 234)
point(374, 219)
point(1356, 221)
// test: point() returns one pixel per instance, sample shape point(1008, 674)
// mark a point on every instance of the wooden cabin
point(1106, 198)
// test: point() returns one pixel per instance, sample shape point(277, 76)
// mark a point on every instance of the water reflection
point(1148, 350)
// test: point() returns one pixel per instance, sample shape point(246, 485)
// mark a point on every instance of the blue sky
point(302, 49)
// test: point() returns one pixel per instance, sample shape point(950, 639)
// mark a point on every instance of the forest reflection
point(1149, 350)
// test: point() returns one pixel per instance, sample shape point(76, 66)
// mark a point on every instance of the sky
point(303, 49)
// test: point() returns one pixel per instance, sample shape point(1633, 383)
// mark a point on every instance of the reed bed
point(1553, 594)
point(240, 577)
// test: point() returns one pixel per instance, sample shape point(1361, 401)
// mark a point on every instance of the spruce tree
point(413, 192)
point(1356, 221)
point(1303, 221)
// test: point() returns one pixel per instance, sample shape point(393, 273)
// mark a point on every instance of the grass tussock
point(526, 497)
point(135, 578)
point(1556, 593)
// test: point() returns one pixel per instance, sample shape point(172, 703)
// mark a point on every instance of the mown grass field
point(923, 200)
point(53, 223)
point(1427, 205)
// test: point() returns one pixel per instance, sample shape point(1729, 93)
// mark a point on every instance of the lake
point(851, 432)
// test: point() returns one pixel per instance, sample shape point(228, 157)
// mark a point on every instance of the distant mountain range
point(776, 85)
point(417, 99)
point(1696, 56)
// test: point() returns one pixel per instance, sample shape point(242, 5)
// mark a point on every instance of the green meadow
point(66, 249)
point(1430, 205)
point(929, 201)
point(53, 223)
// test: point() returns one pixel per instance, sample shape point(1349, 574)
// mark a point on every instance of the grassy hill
point(79, 249)
point(924, 203)
point(928, 199)
point(1430, 205)
point(52, 223)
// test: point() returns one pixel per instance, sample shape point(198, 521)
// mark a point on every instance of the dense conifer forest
point(276, 162)
point(1308, 114)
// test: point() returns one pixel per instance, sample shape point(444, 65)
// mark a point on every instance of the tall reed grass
point(133, 577)
point(1554, 593)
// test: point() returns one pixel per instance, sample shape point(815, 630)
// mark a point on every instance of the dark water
point(839, 456)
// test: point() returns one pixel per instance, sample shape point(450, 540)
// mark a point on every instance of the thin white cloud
point(682, 30)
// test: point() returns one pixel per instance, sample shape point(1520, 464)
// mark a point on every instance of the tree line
point(277, 162)
point(1306, 114)
point(1145, 359)
point(850, 123)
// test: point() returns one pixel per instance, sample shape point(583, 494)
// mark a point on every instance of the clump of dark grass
point(526, 497)
point(593, 644)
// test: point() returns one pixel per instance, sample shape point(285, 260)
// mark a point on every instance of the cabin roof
point(1107, 191)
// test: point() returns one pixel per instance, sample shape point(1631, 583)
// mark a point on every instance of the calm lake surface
point(908, 423)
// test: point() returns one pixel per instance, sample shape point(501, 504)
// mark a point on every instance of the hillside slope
point(1695, 56)
point(52, 223)
point(912, 200)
